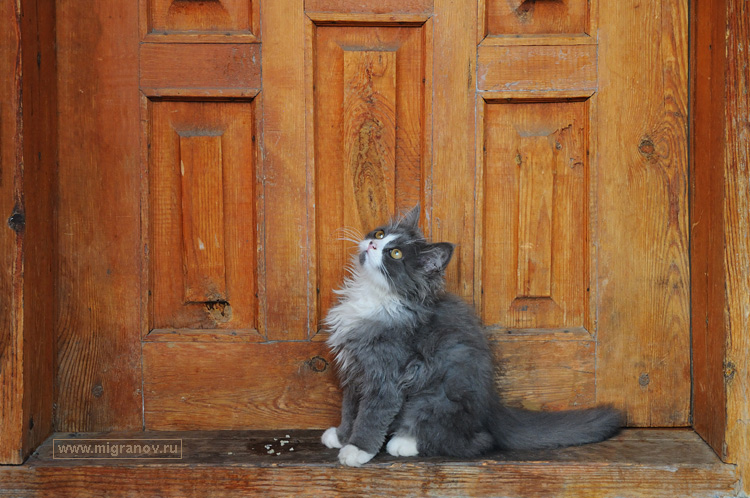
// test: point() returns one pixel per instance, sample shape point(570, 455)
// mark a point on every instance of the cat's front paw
point(403, 446)
point(330, 438)
point(352, 456)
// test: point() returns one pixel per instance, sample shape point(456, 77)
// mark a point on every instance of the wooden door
point(262, 128)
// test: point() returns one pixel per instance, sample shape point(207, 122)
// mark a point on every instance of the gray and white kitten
point(415, 365)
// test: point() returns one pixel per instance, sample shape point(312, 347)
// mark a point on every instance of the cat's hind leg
point(402, 446)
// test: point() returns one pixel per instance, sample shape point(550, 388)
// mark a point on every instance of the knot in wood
point(317, 364)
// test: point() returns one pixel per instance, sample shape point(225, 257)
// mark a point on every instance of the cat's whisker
point(349, 233)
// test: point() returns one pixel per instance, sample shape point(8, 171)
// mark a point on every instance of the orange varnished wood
point(287, 240)
point(213, 16)
point(369, 136)
point(203, 225)
point(516, 17)
point(637, 463)
point(202, 243)
point(393, 7)
point(536, 69)
point(642, 242)
point(534, 191)
point(27, 164)
point(452, 180)
point(543, 372)
point(97, 222)
point(200, 70)
point(737, 236)
point(707, 244)
point(239, 385)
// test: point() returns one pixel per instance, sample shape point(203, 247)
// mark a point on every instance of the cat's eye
point(379, 234)
point(396, 254)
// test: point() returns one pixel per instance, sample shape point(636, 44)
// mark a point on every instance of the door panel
point(202, 215)
point(535, 233)
point(370, 136)
point(524, 17)
point(515, 124)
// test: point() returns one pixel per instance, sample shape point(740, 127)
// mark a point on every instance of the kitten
point(415, 365)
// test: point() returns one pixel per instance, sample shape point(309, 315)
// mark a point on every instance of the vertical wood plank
point(707, 244)
point(39, 191)
point(642, 248)
point(27, 161)
point(370, 142)
point(534, 207)
point(203, 218)
point(535, 159)
point(737, 234)
point(369, 114)
point(202, 226)
point(287, 239)
point(11, 242)
point(97, 225)
point(453, 170)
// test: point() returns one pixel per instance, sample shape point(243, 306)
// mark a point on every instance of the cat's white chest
point(362, 301)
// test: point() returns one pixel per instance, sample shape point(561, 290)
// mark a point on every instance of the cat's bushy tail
point(520, 429)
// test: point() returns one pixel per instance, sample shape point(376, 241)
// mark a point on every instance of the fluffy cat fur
point(415, 365)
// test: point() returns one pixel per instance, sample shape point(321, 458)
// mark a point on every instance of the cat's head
point(399, 255)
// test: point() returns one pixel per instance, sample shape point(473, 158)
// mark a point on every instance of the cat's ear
point(436, 257)
point(411, 219)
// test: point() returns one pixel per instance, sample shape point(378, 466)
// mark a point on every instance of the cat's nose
point(372, 245)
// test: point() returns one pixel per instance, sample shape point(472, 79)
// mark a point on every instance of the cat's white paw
point(402, 446)
point(330, 438)
point(354, 457)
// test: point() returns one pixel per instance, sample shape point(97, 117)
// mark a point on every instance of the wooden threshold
point(637, 463)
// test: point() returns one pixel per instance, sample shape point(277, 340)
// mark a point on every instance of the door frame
point(720, 235)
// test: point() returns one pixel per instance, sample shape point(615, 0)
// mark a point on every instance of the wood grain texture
point(203, 226)
point(537, 69)
point(369, 129)
point(534, 211)
point(287, 239)
point(707, 241)
point(11, 242)
point(394, 7)
point(636, 464)
point(98, 224)
point(39, 201)
point(27, 169)
point(541, 372)
point(643, 299)
point(203, 218)
point(185, 16)
point(522, 17)
point(200, 70)
point(201, 386)
point(453, 172)
point(737, 236)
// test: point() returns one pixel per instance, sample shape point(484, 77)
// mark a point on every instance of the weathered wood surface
point(27, 162)
point(239, 385)
point(285, 193)
point(707, 242)
point(97, 219)
point(737, 235)
point(523, 17)
point(642, 247)
point(203, 220)
point(200, 70)
point(637, 463)
point(371, 142)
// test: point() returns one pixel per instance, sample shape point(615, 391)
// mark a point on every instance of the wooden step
point(637, 463)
